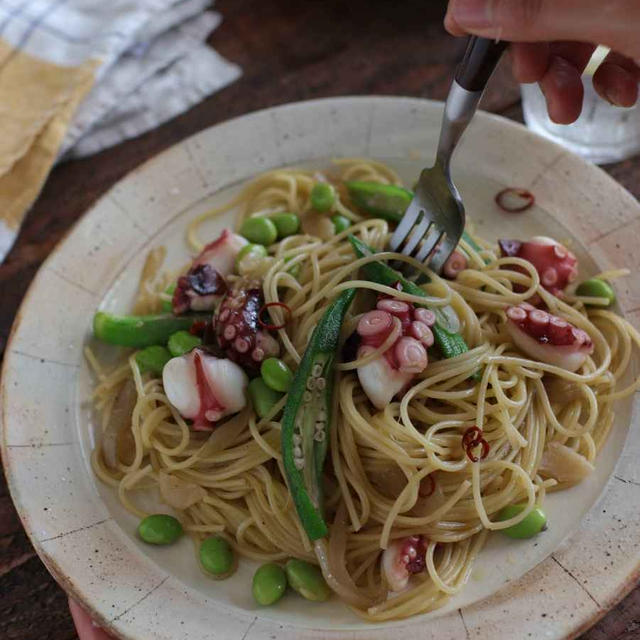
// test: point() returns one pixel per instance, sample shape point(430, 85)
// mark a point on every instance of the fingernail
point(473, 14)
point(612, 98)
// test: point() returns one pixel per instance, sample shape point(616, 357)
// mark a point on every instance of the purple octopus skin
point(203, 285)
point(548, 338)
point(394, 369)
point(401, 559)
point(238, 331)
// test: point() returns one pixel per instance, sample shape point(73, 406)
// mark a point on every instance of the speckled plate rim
point(126, 594)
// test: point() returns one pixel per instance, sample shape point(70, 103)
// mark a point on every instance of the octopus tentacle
point(555, 264)
point(238, 333)
point(394, 369)
point(547, 337)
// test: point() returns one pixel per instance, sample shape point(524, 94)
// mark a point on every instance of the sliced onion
point(333, 563)
point(515, 199)
point(178, 493)
point(318, 225)
point(117, 440)
point(564, 464)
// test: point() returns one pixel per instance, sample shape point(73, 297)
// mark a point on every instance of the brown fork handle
point(478, 63)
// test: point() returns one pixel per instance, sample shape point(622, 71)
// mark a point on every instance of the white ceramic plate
point(552, 587)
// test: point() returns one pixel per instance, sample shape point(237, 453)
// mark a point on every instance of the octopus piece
point(404, 358)
point(401, 559)
point(238, 333)
point(548, 338)
point(204, 284)
point(204, 388)
point(555, 264)
point(454, 264)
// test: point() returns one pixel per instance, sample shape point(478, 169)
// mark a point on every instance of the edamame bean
point(217, 557)
point(276, 374)
point(160, 528)
point(269, 583)
point(262, 397)
point(323, 196)
point(182, 342)
point(340, 223)
point(596, 288)
point(259, 230)
point(250, 253)
point(167, 305)
point(307, 580)
point(286, 223)
point(153, 359)
point(533, 524)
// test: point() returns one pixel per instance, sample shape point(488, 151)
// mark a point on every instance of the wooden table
point(288, 51)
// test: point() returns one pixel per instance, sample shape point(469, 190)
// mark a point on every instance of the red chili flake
point(425, 491)
point(508, 198)
point(197, 328)
point(472, 434)
point(268, 326)
point(471, 439)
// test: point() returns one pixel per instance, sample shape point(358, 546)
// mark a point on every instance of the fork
point(433, 223)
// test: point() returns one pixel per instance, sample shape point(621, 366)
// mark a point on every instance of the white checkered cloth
point(150, 64)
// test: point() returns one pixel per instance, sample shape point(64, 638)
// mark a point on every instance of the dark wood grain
point(288, 51)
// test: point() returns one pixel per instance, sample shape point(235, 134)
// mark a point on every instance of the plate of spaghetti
point(229, 408)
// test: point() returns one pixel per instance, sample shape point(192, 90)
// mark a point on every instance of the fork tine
point(430, 243)
point(406, 224)
point(419, 232)
point(446, 249)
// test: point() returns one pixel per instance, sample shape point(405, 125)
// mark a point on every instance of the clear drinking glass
point(603, 133)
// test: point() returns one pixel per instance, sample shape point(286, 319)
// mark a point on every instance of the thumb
point(610, 23)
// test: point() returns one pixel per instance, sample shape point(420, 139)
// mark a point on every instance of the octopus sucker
point(547, 337)
point(401, 559)
point(394, 369)
point(238, 332)
point(555, 264)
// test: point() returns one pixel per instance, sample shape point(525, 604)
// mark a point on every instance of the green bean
point(153, 359)
point(250, 253)
point(287, 224)
point(534, 523)
point(307, 580)
point(167, 305)
point(386, 201)
point(263, 398)
point(269, 583)
point(217, 557)
point(340, 223)
point(323, 196)
point(276, 374)
point(160, 528)
point(140, 331)
point(182, 342)
point(596, 288)
point(259, 230)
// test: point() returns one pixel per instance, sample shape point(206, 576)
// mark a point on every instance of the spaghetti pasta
point(380, 459)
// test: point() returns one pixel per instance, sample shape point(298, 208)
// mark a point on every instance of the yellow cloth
point(37, 101)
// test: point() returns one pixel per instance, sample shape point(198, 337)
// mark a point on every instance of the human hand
point(553, 41)
point(85, 627)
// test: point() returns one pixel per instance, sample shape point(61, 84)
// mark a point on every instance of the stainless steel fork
point(434, 221)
